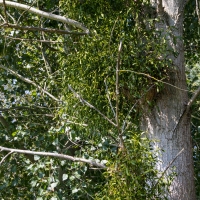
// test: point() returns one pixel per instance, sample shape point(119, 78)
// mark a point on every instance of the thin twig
point(91, 106)
point(4, 6)
point(187, 108)
point(197, 10)
point(2, 18)
point(5, 157)
point(28, 8)
point(46, 62)
point(147, 75)
point(29, 81)
point(111, 106)
point(125, 120)
point(56, 155)
point(111, 34)
point(167, 168)
point(117, 96)
point(194, 97)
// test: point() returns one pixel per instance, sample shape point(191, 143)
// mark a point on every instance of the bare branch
point(46, 62)
point(117, 96)
point(147, 75)
point(124, 126)
point(197, 10)
point(167, 168)
point(192, 100)
point(56, 155)
point(5, 157)
point(109, 98)
point(187, 108)
point(2, 18)
point(28, 81)
point(4, 6)
point(91, 106)
point(45, 14)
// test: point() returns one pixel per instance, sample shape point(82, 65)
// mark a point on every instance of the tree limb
point(5, 157)
point(192, 100)
point(91, 106)
point(28, 81)
point(56, 155)
point(167, 168)
point(187, 108)
point(4, 6)
point(45, 14)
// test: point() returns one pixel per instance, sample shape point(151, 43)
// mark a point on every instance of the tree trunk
point(165, 123)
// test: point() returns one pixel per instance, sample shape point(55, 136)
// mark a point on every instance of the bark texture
point(165, 123)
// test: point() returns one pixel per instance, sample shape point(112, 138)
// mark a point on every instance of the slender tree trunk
point(165, 123)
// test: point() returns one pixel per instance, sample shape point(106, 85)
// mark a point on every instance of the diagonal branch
point(45, 14)
point(151, 77)
point(180, 152)
point(91, 106)
point(187, 108)
point(5, 157)
point(56, 155)
point(4, 5)
point(194, 97)
point(28, 81)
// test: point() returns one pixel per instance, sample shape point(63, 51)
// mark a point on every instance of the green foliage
point(132, 174)
point(87, 63)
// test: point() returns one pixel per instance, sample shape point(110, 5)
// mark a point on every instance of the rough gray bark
point(165, 122)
